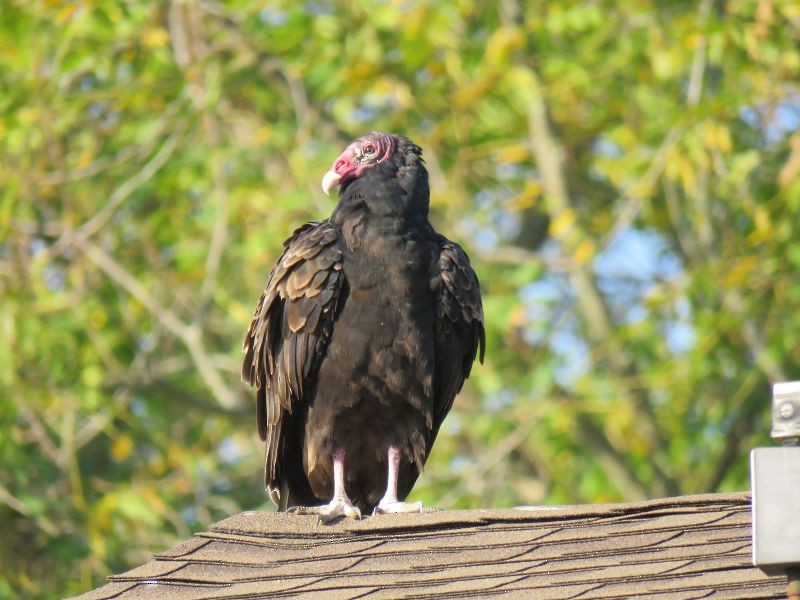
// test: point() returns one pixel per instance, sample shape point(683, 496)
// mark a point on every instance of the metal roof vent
point(775, 482)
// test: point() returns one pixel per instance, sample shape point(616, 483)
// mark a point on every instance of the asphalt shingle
point(688, 547)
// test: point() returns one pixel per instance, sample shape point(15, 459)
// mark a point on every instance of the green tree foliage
point(624, 175)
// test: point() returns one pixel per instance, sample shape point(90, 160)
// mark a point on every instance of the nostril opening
point(339, 164)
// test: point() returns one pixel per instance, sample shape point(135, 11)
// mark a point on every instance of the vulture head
point(380, 160)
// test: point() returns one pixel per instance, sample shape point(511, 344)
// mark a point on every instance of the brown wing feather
point(460, 335)
point(289, 332)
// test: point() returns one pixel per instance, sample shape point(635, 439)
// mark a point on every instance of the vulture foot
point(327, 513)
point(385, 508)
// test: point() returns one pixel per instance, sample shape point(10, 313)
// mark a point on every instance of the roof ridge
point(685, 547)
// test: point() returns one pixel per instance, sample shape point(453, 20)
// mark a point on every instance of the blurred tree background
point(625, 176)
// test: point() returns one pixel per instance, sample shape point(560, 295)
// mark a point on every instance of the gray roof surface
point(675, 548)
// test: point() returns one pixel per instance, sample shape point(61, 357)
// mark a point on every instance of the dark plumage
point(367, 329)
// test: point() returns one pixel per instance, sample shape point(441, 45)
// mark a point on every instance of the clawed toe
point(328, 513)
point(385, 508)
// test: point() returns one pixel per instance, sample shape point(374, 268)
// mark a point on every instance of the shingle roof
point(676, 548)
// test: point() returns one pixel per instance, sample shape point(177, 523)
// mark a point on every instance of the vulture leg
point(389, 503)
point(340, 505)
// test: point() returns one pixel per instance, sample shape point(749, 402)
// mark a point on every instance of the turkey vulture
point(368, 327)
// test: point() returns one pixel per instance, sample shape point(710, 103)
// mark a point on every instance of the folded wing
point(459, 329)
point(289, 333)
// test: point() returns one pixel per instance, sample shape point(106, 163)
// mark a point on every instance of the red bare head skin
point(366, 151)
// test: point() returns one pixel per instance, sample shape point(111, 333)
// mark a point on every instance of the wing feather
point(289, 332)
point(459, 331)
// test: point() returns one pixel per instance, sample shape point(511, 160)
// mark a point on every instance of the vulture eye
point(370, 150)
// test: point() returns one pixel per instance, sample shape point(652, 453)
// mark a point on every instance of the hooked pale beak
point(330, 181)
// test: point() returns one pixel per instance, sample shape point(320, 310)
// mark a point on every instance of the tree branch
point(117, 197)
point(742, 425)
point(550, 158)
point(60, 176)
point(695, 87)
point(14, 504)
point(219, 233)
point(514, 255)
point(506, 446)
point(188, 334)
point(619, 471)
point(645, 183)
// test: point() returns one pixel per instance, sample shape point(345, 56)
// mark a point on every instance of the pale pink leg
point(389, 503)
point(340, 505)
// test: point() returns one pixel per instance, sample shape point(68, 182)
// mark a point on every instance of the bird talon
point(386, 508)
point(327, 513)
